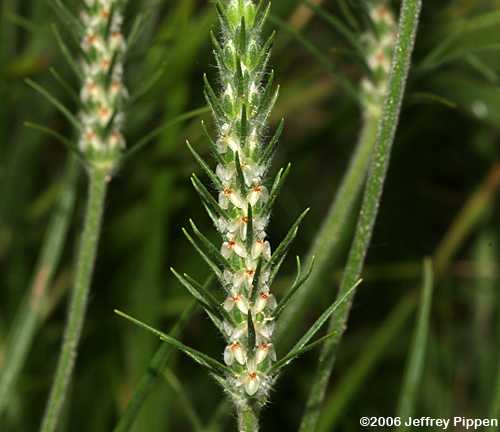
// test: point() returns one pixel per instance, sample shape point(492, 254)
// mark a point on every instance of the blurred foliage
point(446, 152)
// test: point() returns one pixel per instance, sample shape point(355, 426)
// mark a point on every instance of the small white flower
point(224, 174)
point(116, 140)
point(117, 41)
point(263, 350)
point(251, 378)
point(239, 331)
point(264, 299)
point(253, 140)
point(258, 192)
point(235, 351)
point(264, 330)
point(261, 247)
point(238, 300)
point(229, 196)
point(381, 14)
point(379, 60)
point(232, 246)
point(253, 173)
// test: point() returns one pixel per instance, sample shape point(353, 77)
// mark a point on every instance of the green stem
point(33, 309)
point(327, 244)
point(79, 296)
point(408, 25)
point(248, 418)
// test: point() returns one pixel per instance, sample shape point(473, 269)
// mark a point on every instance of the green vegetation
point(391, 143)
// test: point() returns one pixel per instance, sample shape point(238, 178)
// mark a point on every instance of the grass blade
point(419, 346)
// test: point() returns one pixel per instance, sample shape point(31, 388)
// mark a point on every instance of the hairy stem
point(79, 296)
point(33, 308)
point(408, 25)
point(248, 418)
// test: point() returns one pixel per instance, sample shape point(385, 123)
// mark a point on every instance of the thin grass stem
point(79, 297)
point(408, 24)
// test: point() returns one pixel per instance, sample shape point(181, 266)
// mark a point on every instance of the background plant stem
point(408, 24)
point(326, 247)
point(98, 180)
point(33, 307)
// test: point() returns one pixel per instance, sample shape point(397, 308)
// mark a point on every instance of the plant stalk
point(33, 308)
point(408, 24)
point(98, 181)
point(248, 418)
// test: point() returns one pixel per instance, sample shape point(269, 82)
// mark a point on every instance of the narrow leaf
point(264, 54)
point(208, 171)
point(202, 296)
point(250, 235)
point(149, 83)
point(239, 175)
point(199, 357)
point(271, 146)
point(213, 146)
point(242, 39)
point(207, 197)
point(72, 23)
point(299, 281)
point(251, 333)
point(279, 181)
point(62, 109)
point(67, 53)
point(64, 84)
point(148, 138)
point(210, 247)
point(213, 100)
point(304, 340)
point(70, 145)
point(256, 281)
point(280, 250)
point(213, 266)
point(243, 126)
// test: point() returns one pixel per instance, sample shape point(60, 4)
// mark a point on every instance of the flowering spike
point(245, 265)
point(378, 45)
point(103, 93)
